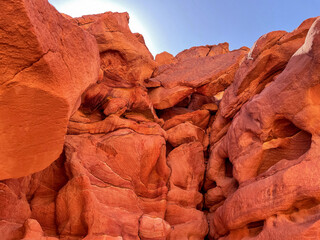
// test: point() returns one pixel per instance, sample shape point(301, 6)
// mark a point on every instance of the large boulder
point(45, 66)
point(165, 58)
point(207, 75)
point(203, 51)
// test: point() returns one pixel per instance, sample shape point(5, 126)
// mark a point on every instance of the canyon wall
point(99, 141)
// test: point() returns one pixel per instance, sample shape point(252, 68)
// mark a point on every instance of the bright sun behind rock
point(78, 8)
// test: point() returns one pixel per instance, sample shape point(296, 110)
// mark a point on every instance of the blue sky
point(175, 25)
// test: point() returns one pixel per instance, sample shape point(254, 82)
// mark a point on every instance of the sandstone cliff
point(100, 141)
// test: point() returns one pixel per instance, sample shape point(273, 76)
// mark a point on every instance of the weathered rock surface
point(265, 61)
point(165, 58)
point(125, 60)
point(112, 186)
point(137, 162)
point(187, 171)
point(125, 65)
point(184, 133)
point(31, 197)
point(272, 152)
point(45, 66)
point(206, 75)
point(153, 228)
point(203, 51)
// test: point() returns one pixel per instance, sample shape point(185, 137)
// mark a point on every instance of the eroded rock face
point(205, 75)
point(32, 197)
point(273, 147)
point(266, 60)
point(113, 184)
point(125, 60)
point(45, 66)
point(125, 65)
point(210, 144)
point(187, 171)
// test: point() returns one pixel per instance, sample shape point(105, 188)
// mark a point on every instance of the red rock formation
point(111, 186)
point(45, 66)
point(271, 147)
point(128, 171)
point(125, 63)
point(206, 75)
point(165, 58)
point(265, 61)
point(125, 59)
point(203, 51)
point(187, 171)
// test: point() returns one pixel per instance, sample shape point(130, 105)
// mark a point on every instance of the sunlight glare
point(78, 8)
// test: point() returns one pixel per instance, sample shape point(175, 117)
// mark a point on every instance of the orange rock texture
point(46, 64)
point(99, 140)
